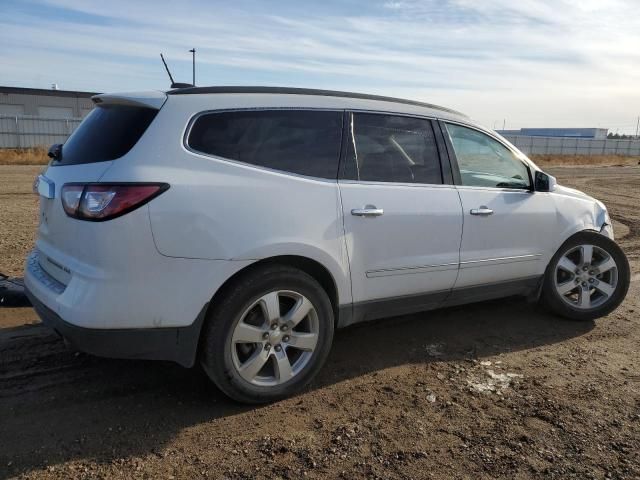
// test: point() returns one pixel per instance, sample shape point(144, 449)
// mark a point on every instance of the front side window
point(387, 148)
point(305, 142)
point(485, 162)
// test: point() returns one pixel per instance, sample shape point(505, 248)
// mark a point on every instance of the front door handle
point(483, 211)
point(367, 211)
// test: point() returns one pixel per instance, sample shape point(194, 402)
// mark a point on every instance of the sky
point(519, 63)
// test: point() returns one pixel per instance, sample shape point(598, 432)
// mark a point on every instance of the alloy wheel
point(586, 276)
point(275, 338)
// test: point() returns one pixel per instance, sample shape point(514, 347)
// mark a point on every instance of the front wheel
point(269, 336)
point(587, 278)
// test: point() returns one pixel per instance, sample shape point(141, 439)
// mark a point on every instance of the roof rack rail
point(304, 91)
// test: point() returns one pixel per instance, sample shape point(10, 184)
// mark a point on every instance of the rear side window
point(107, 133)
point(388, 148)
point(305, 142)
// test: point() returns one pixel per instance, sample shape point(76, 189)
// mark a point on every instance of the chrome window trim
point(395, 184)
point(520, 191)
point(194, 117)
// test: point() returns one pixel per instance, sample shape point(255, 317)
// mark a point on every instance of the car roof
point(433, 110)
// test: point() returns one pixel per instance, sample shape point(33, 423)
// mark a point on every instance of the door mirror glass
point(544, 182)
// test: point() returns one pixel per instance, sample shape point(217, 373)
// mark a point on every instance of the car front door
point(403, 224)
point(509, 229)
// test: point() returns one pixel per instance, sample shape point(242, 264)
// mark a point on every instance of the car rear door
point(508, 228)
point(403, 223)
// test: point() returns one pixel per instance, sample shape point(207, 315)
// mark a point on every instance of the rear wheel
point(269, 335)
point(587, 278)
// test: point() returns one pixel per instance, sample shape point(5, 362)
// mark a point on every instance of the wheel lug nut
point(591, 280)
point(584, 284)
point(267, 346)
point(285, 338)
point(277, 348)
point(585, 268)
point(274, 326)
point(284, 328)
point(592, 272)
point(265, 335)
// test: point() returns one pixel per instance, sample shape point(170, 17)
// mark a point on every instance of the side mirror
point(55, 152)
point(543, 182)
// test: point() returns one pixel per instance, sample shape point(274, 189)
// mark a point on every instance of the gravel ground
point(18, 216)
point(494, 390)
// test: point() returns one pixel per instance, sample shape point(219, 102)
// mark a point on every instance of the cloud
point(543, 62)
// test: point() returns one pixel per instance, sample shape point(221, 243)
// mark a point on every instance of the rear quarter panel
point(217, 209)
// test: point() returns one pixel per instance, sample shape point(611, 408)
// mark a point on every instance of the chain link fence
point(574, 146)
point(29, 131)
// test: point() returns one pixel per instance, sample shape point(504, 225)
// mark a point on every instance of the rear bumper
point(177, 344)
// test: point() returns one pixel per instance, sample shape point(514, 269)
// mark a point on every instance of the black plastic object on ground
point(12, 292)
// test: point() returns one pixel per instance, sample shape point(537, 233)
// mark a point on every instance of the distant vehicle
point(239, 226)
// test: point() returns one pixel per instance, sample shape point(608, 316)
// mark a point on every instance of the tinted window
point(485, 162)
point(297, 141)
point(386, 148)
point(107, 133)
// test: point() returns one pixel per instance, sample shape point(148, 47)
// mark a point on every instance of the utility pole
point(504, 123)
point(637, 127)
point(193, 51)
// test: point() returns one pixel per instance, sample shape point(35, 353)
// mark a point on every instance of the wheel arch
point(536, 294)
point(308, 265)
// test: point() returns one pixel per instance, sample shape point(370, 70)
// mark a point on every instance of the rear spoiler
point(152, 99)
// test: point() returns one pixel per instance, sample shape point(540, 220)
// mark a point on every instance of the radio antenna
point(167, 69)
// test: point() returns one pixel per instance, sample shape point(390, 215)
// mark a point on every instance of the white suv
point(240, 226)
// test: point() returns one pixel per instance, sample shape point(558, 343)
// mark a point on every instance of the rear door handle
point(367, 211)
point(483, 211)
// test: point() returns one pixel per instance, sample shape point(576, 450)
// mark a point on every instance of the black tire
point(552, 300)
point(216, 344)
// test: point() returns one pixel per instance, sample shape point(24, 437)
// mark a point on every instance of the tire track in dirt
point(387, 405)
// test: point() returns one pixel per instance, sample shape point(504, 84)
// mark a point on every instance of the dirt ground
point(493, 390)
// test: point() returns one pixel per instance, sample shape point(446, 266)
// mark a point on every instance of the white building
point(44, 103)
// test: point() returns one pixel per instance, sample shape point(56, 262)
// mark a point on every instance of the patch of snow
point(493, 382)
point(435, 349)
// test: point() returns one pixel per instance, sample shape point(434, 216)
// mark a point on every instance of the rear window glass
point(107, 133)
point(298, 141)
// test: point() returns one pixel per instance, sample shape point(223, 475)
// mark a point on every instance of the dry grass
point(38, 156)
point(589, 160)
point(24, 156)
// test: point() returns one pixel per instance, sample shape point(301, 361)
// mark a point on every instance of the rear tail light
point(103, 201)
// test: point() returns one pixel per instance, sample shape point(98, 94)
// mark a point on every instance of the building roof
point(556, 132)
point(46, 92)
